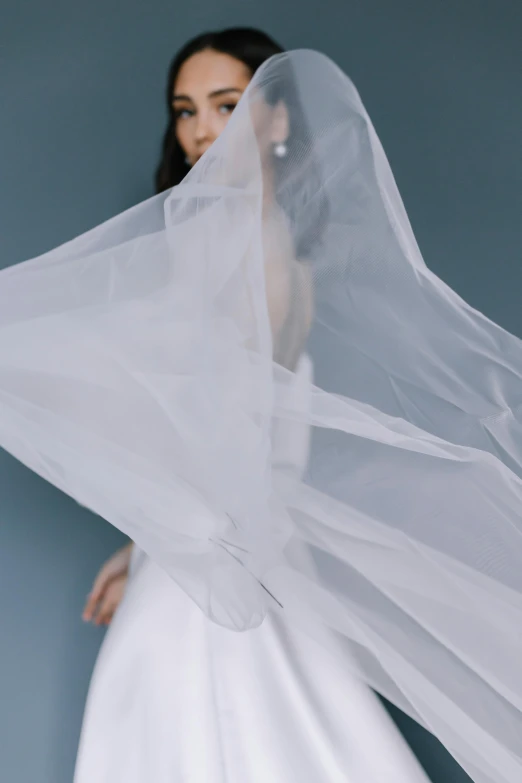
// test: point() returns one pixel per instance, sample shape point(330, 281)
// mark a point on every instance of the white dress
point(176, 698)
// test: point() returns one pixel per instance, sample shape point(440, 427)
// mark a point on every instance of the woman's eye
point(183, 114)
point(227, 108)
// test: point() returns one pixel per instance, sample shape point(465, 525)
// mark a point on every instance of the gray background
point(81, 92)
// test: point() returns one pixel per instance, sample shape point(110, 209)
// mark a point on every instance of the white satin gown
point(175, 698)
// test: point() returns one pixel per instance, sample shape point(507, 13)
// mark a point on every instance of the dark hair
point(249, 46)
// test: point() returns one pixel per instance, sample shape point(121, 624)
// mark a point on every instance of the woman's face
point(207, 89)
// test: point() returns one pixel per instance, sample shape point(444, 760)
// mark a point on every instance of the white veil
point(137, 375)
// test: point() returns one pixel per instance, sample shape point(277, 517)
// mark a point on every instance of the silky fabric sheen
point(176, 698)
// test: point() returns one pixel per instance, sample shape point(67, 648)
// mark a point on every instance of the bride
point(174, 696)
point(314, 443)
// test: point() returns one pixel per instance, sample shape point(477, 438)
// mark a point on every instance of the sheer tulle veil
point(141, 373)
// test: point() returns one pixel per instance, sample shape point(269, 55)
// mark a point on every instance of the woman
point(175, 697)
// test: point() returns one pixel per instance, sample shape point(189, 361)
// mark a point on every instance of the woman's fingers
point(112, 569)
point(90, 607)
point(110, 601)
point(98, 589)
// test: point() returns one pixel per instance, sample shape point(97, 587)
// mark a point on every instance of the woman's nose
point(203, 127)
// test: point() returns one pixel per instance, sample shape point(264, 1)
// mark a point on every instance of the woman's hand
point(108, 588)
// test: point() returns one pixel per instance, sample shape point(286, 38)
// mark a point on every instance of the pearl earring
point(280, 149)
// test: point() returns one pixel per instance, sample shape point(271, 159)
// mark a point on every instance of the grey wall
point(81, 96)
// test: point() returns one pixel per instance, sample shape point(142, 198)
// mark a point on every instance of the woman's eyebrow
point(217, 93)
point(214, 94)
